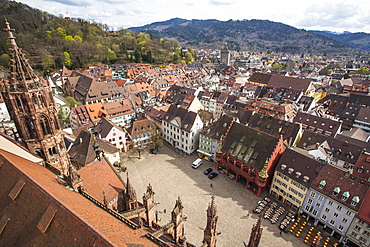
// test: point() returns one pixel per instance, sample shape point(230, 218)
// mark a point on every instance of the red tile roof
point(98, 177)
point(77, 221)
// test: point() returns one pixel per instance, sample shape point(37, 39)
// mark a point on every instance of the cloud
point(337, 16)
point(72, 2)
point(220, 2)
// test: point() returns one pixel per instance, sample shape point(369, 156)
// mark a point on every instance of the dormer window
point(360, 169)
point(298, 174)
point(305, 179)
point(345, 196)
point(283, 166)
point(290, 170)
point(322, 184)
point(355, 200)
point(336, 191)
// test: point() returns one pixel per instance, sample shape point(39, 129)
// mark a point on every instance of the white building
point(181, 128)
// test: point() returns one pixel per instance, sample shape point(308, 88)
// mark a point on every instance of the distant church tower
point(209, 238)
point(225, 56)
point(32, 108)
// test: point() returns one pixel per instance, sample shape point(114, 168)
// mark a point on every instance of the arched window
point(34, 99)
point(30, 129)
point(45, 126)
point(42, 100)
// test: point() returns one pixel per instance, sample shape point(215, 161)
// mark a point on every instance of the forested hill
point(255, 35)
point(359, 41)
point(50, 41)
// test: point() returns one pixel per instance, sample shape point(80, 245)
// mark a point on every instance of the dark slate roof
point(325, 125)
point(141, 126)
point(364, 115)
point(289, 82)
point(306, 101)
point(304, 165)
point(335, 177)
point(186, 118)
point(249, 145)
point(104, 126)
point(77, 221)
point(359, 99)
point(219, 128)
point(342, 150)
point(274, 126)
point(82, 151)
point(260, 78)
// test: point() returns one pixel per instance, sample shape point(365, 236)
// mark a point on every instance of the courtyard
point(171, 176)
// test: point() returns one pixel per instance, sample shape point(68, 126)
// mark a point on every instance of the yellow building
point(292, 178)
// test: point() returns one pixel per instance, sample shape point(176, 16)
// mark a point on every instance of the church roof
point(99, 177)
point(48, 214)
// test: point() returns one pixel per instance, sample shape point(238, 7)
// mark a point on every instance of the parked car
point(208, 171)
point(152, 150)
point(197, 163)
point(212, 175)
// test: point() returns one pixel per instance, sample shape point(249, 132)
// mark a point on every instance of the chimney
point(345, 143)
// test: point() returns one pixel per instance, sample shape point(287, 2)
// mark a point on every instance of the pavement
point(171, 176)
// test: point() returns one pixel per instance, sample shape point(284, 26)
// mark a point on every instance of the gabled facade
point(210, 137)
point(334, 199)
point(112, 133)
point(79, 117)
point(181, 129)
point(142, 132)
point(317, 124)
point(340, 153)
point(358, 233)
point(120, 112)
point(292, 178)
point(250, 155)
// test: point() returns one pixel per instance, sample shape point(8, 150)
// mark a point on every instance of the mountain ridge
point(255, 35)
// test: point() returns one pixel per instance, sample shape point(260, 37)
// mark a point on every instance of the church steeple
point(31, 105)
point(256, 233)
point(209, 238)
point(22, 76)
point(130, 196)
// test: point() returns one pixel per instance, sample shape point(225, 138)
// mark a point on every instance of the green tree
point(62, 32)
point(4, 60)
point(111, 56)
point(72, 102)
point(67, 59)
point(47, 61)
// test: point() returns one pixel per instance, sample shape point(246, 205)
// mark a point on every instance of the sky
point(337, 16)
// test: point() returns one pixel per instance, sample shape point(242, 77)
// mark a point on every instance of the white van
point(197, 163)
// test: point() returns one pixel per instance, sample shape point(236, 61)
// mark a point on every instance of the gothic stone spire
point(130, 196)
point(31, 105)
point(256, 233)
point(22, 76)
point(210, 231)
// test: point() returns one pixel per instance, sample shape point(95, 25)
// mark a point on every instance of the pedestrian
point(164, 210)
point(280, 233)
point(211, 185)
point(247, 215)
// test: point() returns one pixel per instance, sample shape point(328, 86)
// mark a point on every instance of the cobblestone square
point(171, 176)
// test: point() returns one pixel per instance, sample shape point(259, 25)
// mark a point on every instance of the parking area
point(172, 176)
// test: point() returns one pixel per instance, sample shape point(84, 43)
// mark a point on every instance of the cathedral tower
point(32, 108)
